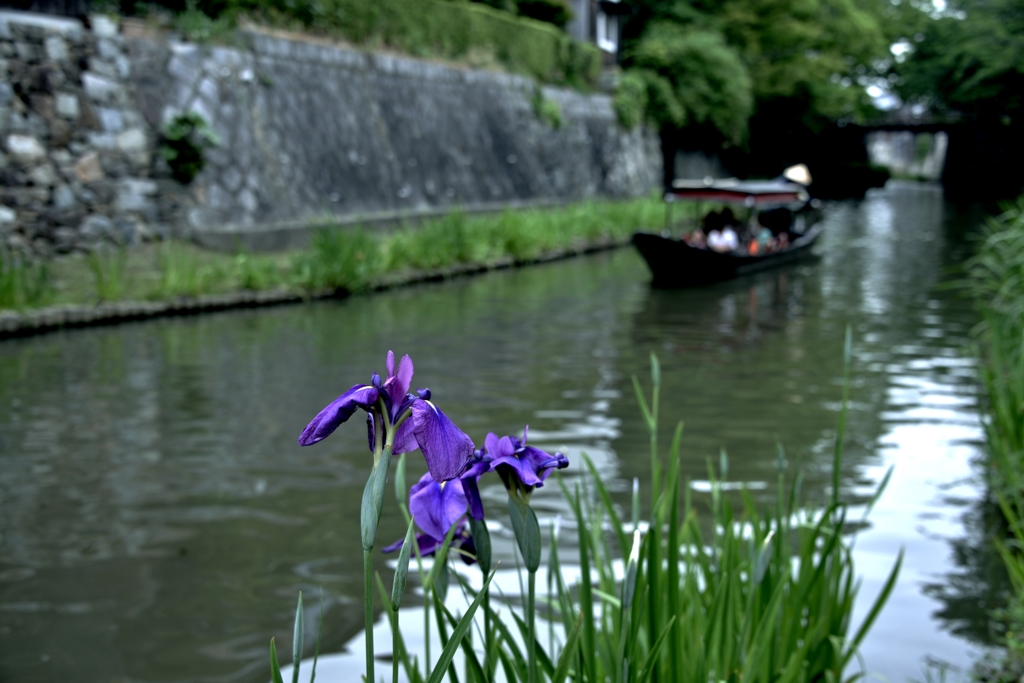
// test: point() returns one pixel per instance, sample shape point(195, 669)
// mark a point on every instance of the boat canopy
point(733, 191)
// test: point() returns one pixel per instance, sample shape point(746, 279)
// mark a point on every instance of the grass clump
point(108, 269)
point(24, 283)
point(338, 259)
point(995, 277)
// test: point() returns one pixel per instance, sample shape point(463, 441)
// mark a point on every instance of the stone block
point(103, 26)
point(6, 94)
point(30, 54)
point(111, 120)
point(102, 141)
point(66, 106)
point(7, 216)
point(107, 49)
point(123, 66)
point(103, 68)
point(43, 176)
point(133, 195)
point(65, 239)
point(100, 88)
point(56, 49)
point(63, 198)
point(25, 148)
point(132, 141)
point(60, 133)
point(88, 169)
point(43, 105)
point(96, 225)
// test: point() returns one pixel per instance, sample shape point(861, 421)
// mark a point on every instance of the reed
point(108, 270)
point(729, 594)
point(23, 283)
point(995, 278)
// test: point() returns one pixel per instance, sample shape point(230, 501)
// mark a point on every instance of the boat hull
point(674, 263)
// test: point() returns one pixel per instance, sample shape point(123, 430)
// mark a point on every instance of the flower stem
point(368, 602)
point(394, 651)
point(487, 632)
point(532, 627)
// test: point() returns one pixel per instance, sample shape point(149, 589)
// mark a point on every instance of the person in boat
point(724, 240)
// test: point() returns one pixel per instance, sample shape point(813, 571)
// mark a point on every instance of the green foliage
point(196, 26)
point(257, 272)
point(967, 60)
point(184, 138)
point(449, 30)
point(23, 283)
point(182, 273)
point(339, 259)
point(347, 259)
point(709, 84)
point(765, 595)
point(768, 75)
point(630, 99)
point(995, 277)
point(108, 272)
point(555, 12)
point(548, 111)
point(804, 49)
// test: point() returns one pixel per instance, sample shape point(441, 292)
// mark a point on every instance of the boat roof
point(733, 191)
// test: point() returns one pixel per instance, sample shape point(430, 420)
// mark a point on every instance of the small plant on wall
point(184, 139)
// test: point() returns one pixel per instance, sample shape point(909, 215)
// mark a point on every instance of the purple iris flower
point(436, 507)
point(407, 421)
point(522, 468)
point(479, 465)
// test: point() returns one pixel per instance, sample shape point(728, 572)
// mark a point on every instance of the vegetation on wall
point(183, 141)
point(480, 33)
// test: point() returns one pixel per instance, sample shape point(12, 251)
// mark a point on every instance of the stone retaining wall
point(310, 134)
point(76, 166)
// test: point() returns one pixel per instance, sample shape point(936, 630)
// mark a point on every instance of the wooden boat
point(675, 263)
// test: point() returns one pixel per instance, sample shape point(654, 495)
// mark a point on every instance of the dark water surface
point(157, 517)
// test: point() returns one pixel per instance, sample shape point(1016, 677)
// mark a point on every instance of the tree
point(968, 61)
point(806, 64)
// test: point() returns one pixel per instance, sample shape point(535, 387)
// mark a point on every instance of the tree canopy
point(752, 72)
point(967, 60)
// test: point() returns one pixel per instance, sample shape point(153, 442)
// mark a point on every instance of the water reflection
point(157, 517)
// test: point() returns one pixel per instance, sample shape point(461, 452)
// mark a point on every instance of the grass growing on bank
point(352, 259)
point(996, 280)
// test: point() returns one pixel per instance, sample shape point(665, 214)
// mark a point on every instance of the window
point(607, 31)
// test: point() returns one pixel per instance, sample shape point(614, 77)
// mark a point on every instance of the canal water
point(157, 518)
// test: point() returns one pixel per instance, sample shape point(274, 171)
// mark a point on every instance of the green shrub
point(630, 99)
point(184, 139)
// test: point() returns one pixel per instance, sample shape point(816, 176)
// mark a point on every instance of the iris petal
point(476, 503)
point(402, 380)
point(336, 412)
point(405, 438)
point(445, 447)
point(436, 507)
point(499, 448)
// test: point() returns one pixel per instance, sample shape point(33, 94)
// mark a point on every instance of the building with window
point(598, 22)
